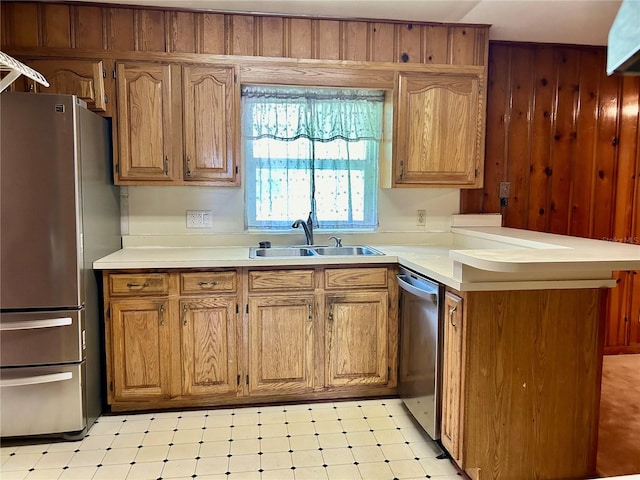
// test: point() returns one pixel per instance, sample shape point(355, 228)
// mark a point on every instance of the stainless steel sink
point(347, 250)
point(310, 251)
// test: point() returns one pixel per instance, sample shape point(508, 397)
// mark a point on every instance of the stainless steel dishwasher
point(420, 349)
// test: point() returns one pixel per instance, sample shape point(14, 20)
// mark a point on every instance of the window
point(311, 150)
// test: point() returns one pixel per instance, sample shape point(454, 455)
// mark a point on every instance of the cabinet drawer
point(260, 281)
point(205, 282)
point(355, 277)
point(139, 284)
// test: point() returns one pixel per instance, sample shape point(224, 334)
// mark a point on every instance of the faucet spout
point(307, 227)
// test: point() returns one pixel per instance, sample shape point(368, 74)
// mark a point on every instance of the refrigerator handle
point(36, 379)
point(32, 324)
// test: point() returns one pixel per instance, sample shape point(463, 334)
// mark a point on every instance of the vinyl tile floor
point(368, 439)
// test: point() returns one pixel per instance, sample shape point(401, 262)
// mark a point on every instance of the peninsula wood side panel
point(51, 26)
point(567, 137)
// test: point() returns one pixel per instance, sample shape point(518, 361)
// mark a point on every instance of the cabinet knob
point(452, 310)
point(207, 284)
point(137, 285)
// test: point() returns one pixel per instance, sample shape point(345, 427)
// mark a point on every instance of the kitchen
point(158, 213)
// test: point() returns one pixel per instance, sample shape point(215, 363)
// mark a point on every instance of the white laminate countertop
point(474, 259)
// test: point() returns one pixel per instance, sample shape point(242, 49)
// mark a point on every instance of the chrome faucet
point(307, 226)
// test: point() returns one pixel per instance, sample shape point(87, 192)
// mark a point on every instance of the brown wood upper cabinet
point(83, 78)
point(177, 124)
point(440, 124)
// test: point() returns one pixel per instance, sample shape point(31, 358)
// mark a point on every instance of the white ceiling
point(582, 22)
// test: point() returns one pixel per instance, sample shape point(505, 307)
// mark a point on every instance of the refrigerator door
point(38, 338)
point(40, 243)
point(39, 400)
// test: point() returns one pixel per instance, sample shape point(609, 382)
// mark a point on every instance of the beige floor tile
point(381, 423)
point(134, 426)
point(328, 426)
point(192, 435)
point(333, 440)
point(44, 474)
point(54, 460)
point(301, 428)
point(211, 465)
point(184, 467)
point(375, 471)
point(304, 442)
point(183, 450)
point(245, 431)
point(349, 412)
point(217, 421)
point(343, 472)
point(397, 451)
point(274, 445)
point(36, 448)
point(273, 430)
point(96, 442)
point(413, 434)
point(298, 416)
point(337, 456)
point(310, 473)
point(16, 475)
point(77, 473)
point(273, 417)
point(191, 422)
point(355, 425)
point(367, 453)
point(245, 419)
point(88, 458)
point(297, 406)
point(357, 439)
point(403, 469)
point(216, 434)
point(120, 456)
point(307, 458)
point(433, 466)
point(249, 446)
point(404, 421)
point(324, 414)
point(244, 463)
point(64, 446)
point(157, 438)
point(215, 449)
point(125, 440)
point(111, 472)
point(156, 453)
point(282, 474)
point(388, 436)
point(163, 424)
point(113, 418)
point(275, 461)
point(426, 449)
point(371, 411)
point(145, 471)
point(107, 428)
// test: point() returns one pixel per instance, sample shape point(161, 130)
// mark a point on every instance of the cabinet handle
point(207, 284)
point(161, 314)
point(310, 313)
point(138, 285)
point(331, 312)
point(184, 315)
point(166, 165)
point(401, 170)
point(188, 167)
point(452, 310)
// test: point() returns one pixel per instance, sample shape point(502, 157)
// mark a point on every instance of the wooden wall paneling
point(355, 41)
point(240, 34)
point(326, 39)
point(606, 153)
point(22, 24)
point(121, 33)
point(89, 28)
point(298, 38)
point(56, 26)
point(182, 31)
point(580, 221)
point(271, 37)
point(519, 137)
point(409, 44)
point(498, 121)
point(212, 33)
point(462, 45)
point(436, 44)
point(151, 31)
point(382, 39)
point(626, 165)
point(544, 90)
point(564, 140)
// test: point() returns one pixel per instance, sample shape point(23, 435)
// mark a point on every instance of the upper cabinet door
point(144, 122)
point(440, 130)
point(83, 78)
point(209, 115)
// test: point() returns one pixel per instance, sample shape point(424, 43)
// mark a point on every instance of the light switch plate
point(199, 219)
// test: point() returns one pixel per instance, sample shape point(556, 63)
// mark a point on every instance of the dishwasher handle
point(419, 292)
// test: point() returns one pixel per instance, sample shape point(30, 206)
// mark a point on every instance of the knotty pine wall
point(567, 137)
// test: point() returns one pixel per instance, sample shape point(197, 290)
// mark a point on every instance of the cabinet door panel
point(208, 346)
point(634, 316)
point(452, 375)
point(140, 342)
point(209, 109)
point(357, 348)
point(144, 121)
point(440, 129)
point(281, 344)
point(83, 78)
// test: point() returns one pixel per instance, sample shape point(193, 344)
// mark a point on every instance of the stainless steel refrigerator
point(59, 213)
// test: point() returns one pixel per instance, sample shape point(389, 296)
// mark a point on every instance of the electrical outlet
point(421, 218)
point(198, 218)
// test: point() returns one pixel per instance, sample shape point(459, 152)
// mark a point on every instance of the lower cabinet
point(196, 338)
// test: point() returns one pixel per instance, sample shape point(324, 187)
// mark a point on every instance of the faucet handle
point(338, 241)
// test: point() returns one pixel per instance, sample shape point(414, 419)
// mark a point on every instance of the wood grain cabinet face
point(439, 130)
point(144, 122)
point(207, 336)
point(209, 128)
point(139, 342)
point(452, 376)
point(356, 338)
point(83, 78)
point(281, 342)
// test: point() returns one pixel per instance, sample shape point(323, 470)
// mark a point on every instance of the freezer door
point(37, 338)
point(41, 400)
point(39, 209)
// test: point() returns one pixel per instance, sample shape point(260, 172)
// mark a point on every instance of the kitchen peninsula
point(523, 335)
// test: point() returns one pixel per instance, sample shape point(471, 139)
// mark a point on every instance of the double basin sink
point(311, 251)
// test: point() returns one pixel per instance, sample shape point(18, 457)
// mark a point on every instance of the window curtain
point(311, 149)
